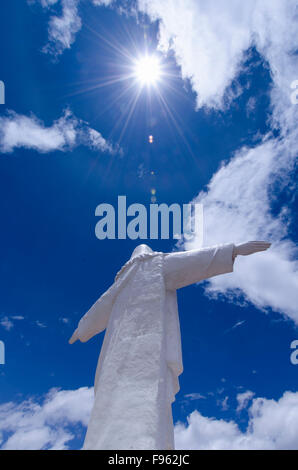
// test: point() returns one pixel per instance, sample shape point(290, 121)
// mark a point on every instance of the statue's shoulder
point(134, 261)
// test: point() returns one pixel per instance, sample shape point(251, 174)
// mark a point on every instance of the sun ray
point(175, 122)
point(112, 81)
point(139, 70)
point(129, 116)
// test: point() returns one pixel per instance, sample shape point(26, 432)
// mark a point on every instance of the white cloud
point(64, 320)
point(250, 106)
point(236, 325)
point(224, 404)
point(102, 2)
point(237, 207)
point(8, 322)
point(209, 40)
point(194, 396)
point(40, 324)
point(52, 423)
point(62, 29)
point(48, 3)
point(17, 131)
point(96, 141)
point(272, 425)
point(45, 424)
point(207, 48)
point(243, 399)
point(44, 3)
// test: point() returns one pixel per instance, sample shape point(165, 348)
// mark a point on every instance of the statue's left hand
point(250, 247)
point(74, 337)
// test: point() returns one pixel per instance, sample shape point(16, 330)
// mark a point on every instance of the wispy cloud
point(65, 133)
point(40, 324)
point(224, 403)
point(243, 399)
point(64, 23)
point(236, 325)
point(194, 396)
point(102, 2)
point(62, 29)
point(46, 3)
point(8, 322)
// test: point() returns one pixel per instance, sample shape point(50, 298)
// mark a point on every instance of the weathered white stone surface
point(140, 361)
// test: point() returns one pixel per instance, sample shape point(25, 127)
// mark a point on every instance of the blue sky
point(70, 139)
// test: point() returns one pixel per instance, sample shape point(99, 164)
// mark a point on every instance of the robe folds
point(140, 360)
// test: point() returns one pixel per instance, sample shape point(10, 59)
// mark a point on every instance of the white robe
point(137, 373)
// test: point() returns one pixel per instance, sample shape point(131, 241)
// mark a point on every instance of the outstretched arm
point(96, 319)
point(188, 267)
point(249, 248)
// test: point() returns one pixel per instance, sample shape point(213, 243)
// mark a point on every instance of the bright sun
point(147, 70)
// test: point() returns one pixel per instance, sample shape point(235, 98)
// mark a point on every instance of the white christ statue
point(140, 360)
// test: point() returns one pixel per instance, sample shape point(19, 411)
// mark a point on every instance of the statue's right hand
point(74, 337)
point(251, 247)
